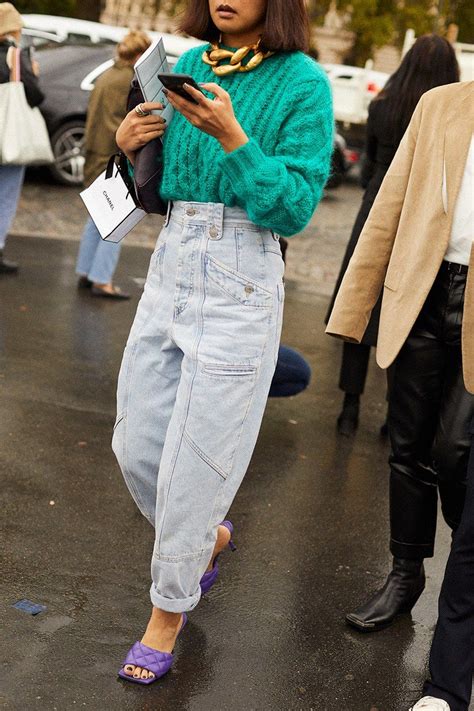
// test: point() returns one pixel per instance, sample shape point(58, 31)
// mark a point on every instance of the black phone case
point(174, 82)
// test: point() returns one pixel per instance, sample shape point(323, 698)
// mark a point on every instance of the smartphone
point(174, 82)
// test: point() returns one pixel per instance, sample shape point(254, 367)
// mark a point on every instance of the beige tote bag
point(24, 137)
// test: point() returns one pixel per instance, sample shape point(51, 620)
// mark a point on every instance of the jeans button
point(213, 232)
point(190, 211)
point(249, 289)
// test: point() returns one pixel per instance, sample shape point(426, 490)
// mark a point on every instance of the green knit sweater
point(285, 108)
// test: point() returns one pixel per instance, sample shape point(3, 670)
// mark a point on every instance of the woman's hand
point(136, 131)
point(215, 117)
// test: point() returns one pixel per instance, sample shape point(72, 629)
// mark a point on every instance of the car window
point(78, 38)
point(38, 39)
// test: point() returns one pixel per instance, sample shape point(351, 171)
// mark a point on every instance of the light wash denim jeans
point(194, 383)
point(97, 259)
point(11, 182)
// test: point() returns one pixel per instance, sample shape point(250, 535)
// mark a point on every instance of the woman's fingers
point(150, 120)
point(149, 136)
point(196, 95)
point(151, 106)
point(216, 90)
point(178, 102)
point(152, 128)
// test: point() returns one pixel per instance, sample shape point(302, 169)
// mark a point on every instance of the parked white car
point(353, 89)
point(82, 51)
point(70, 30)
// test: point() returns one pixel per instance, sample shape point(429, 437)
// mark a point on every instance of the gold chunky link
point(215, 55)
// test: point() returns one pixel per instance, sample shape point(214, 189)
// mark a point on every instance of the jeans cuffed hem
point(171, 605)
point(411, 551)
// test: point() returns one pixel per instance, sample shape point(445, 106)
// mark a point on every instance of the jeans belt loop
point(455, 268)
point(216, 221)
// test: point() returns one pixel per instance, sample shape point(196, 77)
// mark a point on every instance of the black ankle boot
point(348, 420)
point(404, 586)
point(7, 267)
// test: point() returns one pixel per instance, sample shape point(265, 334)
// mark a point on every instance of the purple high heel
point(151, 660)
point(209, 578)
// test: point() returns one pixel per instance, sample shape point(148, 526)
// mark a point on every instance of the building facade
point(332, 39)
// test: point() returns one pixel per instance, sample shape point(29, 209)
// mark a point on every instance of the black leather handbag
point(148, 166)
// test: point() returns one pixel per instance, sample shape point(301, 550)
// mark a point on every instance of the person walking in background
point(429, 63)
point(417, 244)
point(241, 167)
point(12, 176)
point(98, 259)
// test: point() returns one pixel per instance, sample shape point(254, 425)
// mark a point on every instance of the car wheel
point(68, 144)
point(337, 170)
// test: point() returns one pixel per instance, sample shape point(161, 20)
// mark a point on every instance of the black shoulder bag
point(148, 167)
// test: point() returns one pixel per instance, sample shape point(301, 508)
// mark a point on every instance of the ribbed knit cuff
point(240, 165)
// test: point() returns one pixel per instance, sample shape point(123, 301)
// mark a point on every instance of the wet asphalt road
point(311, 527)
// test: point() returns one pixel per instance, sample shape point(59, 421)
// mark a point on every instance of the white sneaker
point(429, 703)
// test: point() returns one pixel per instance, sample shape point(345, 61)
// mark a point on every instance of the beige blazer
point(406, 235)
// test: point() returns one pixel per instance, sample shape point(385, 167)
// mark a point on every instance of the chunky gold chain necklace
point(215, 55)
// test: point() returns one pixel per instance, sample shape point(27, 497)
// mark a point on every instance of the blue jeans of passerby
point(292, 374)
point(194, 382)
point(11, 182)
point(97, 259)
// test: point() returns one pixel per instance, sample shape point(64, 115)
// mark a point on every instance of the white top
point(462, 231)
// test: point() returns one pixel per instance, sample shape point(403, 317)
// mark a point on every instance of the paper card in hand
point(151, 63)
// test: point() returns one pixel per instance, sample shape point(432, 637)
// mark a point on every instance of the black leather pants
point(429, 415)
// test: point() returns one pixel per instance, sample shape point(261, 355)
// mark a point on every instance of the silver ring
point(140, 112)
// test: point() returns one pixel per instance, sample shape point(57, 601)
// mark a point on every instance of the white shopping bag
point(111, 205)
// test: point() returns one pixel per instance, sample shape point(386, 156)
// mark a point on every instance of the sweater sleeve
point(281, 191)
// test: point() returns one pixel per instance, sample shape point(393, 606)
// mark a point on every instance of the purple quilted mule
point(209, 578)
point(150, 659)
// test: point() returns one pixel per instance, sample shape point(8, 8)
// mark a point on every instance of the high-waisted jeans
point(194, 383)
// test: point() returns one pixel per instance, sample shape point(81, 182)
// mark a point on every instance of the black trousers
point(354, 367)
point(429, 415)
point(452, 652)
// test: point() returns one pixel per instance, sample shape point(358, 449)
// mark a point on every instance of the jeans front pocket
point(224, 370)
point(219, 406)
point(237, 317)
point(237, 286)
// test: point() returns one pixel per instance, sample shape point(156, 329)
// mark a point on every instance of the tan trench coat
point(406, 235)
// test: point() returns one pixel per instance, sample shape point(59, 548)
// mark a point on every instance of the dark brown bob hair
point(286, 24)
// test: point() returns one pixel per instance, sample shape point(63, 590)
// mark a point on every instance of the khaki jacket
point(406, 235)
point(107, 109)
